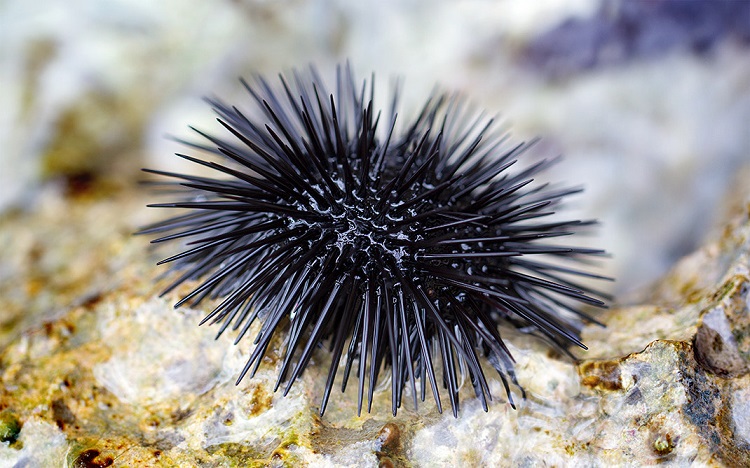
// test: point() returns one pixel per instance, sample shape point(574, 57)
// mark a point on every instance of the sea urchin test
point(398, 246)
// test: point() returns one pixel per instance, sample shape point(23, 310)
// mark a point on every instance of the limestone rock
point(122, 378)
point(722, 343)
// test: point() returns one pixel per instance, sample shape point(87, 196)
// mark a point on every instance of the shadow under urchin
point(399, 246)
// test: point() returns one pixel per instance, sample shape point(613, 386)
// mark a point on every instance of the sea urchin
point(400, 247)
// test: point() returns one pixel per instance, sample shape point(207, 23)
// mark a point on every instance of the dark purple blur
point(628, 29)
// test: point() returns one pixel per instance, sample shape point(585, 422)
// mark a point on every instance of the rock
point(722, 343)
point(121, 376)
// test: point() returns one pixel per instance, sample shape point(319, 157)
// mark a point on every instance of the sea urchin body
point(398, 247)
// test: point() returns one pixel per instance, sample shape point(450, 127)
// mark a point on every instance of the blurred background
point(648, 100)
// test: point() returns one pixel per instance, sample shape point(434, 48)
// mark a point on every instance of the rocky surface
point(121, 379)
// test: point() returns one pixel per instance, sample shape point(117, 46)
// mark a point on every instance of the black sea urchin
point(398, 247)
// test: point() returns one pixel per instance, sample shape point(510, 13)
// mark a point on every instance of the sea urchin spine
point(401, 247)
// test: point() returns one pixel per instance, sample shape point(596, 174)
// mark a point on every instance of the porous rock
point(121, 376)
